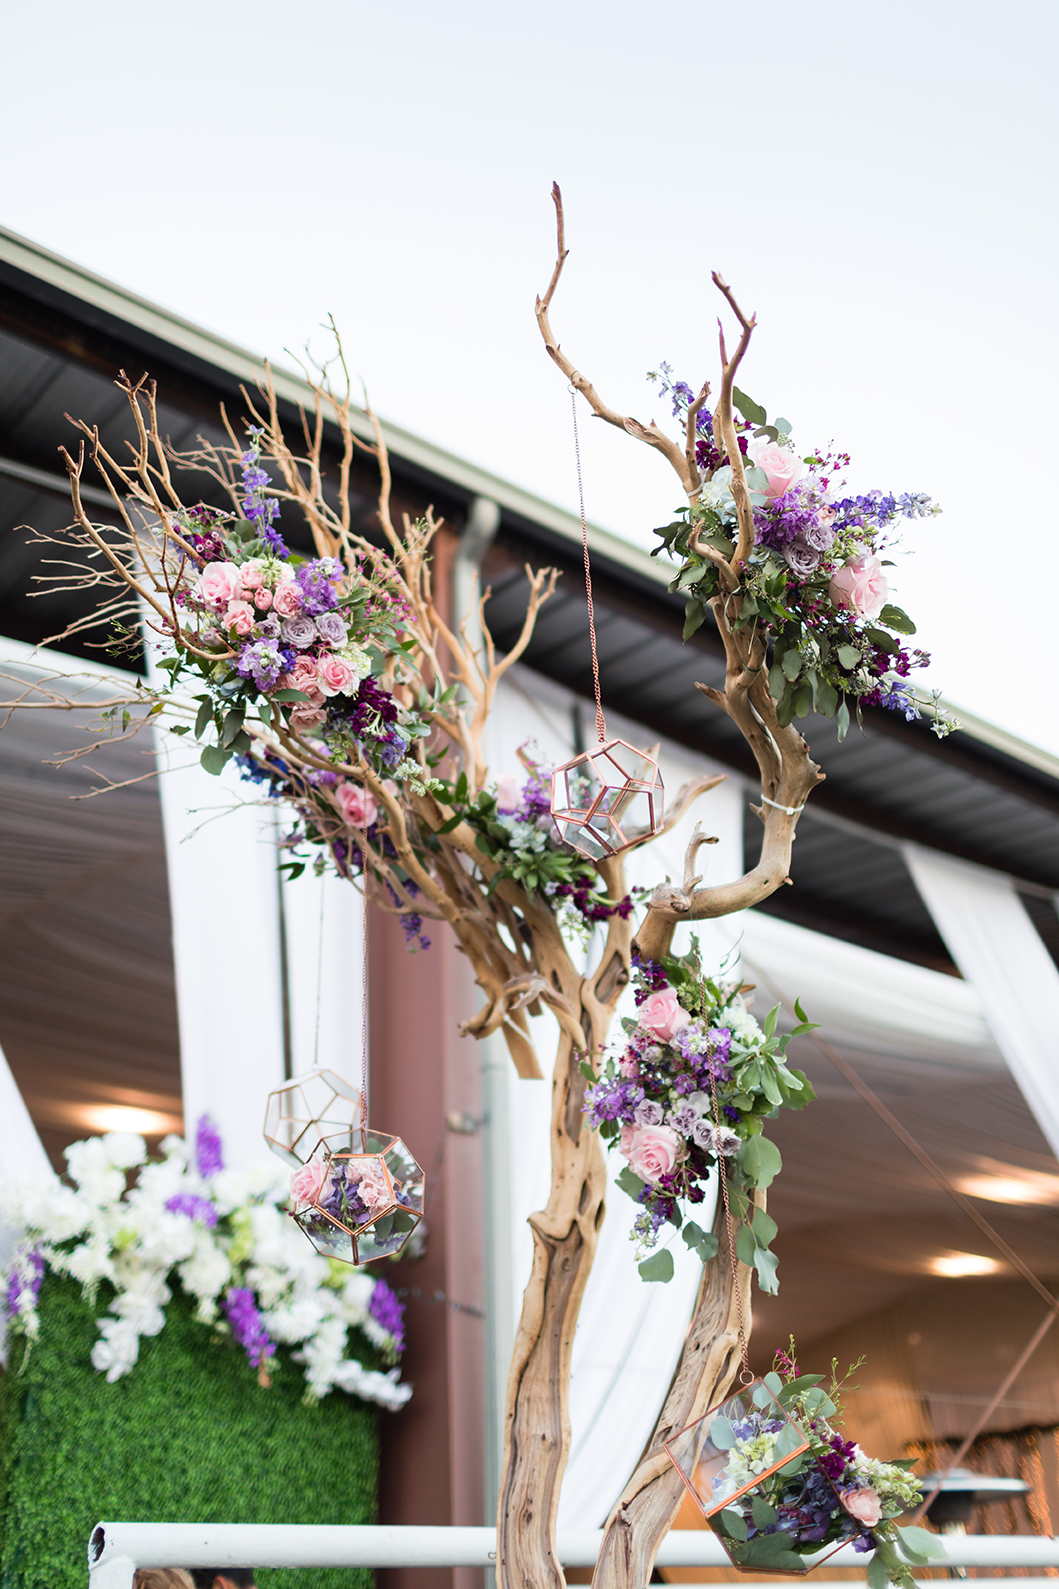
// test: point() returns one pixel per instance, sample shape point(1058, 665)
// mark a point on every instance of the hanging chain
point(746, 1373)
point(601, 723)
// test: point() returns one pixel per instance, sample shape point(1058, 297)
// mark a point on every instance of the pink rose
point(307, 1183)
point(306, 678)
point(781, 466)
point(357, 806)
point(861, 586)
point(288, 599)
point(662, 1015)
point(335, 676)
point(305, 717)
point(508, 793)
point(262, 598)
point(252, 574)
point(373, 1187)
point(240, 617)
point(864, 1505)
point(219, 583)
point(652, 1151)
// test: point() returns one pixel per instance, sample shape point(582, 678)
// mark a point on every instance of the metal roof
point(983, 795)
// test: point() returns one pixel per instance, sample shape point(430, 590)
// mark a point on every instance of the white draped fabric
point(223, 895)
point(22, 1159)
point(999, 952)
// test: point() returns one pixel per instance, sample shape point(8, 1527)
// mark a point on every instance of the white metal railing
point(117, 1549)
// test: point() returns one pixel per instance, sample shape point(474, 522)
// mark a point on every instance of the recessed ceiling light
point(958, 1265)
point(1007, 1183)
point(122, 1117)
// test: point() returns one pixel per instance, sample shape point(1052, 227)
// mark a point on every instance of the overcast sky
point(878, 183)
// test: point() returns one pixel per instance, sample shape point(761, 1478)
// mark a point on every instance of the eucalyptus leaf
point(290, 695)
point(722, 1435)
point(695, 617)
point(760, 1160)
point(749, 410)
point(775, 1385)
point(791, 664)
point(764, 1227)
point(784, 426)
point(658, 1267)
point(878, 1573)
point(767, 1263)
point(894, 618)
point(803, 700)
point(214, 759)
point(631, 1184)
point(842, 719)
point(734, 1525)
point(203, 718)
point(764, 1514)
point(922, 1542)
point(848, 656)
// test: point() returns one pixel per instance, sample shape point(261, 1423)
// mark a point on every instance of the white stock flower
point(297, 1321)
point(207, 1271)
point(46, 1207)
point(124, 1149)
point(90, 1166)
point(118, 1349)
point(89, 1263)
point(371, 1385)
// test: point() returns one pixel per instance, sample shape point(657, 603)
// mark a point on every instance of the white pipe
point(116, 1549)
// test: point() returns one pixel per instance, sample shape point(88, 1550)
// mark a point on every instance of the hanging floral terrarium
point(607, 799)
point(610, 798)
point(359, 1197)
point(307, 1109)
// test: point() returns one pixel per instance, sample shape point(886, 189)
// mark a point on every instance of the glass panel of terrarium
point(385, 1235)
point(791, 1520)
point(329, 1239)
point(734, 1445)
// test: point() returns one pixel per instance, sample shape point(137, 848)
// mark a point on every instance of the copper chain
point(601, 723)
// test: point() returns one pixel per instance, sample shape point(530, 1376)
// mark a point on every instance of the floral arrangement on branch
point(225, 1237)
point(772, 1513)
point(811, 584)
point(696, 1081)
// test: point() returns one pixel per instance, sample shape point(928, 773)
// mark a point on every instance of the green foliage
point(188, 1436)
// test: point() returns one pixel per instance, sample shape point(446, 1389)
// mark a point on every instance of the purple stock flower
point(262, 511)
point(16, 1290)
point(248, 1326)
point(317, 588)
point(208, 1159)
point(386, 1310)
point(194, 1207)
point(261, 661)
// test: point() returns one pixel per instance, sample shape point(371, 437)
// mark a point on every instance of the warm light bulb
point(122, 1117)
point(960, 1265)
point(1017, 1186)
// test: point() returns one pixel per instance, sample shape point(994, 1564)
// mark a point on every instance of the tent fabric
point(993, 941)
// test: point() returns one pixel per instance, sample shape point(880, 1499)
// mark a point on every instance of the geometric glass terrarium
point(749, 1468)
point(607, 799)
point(359, 1197)
point(305, 1110)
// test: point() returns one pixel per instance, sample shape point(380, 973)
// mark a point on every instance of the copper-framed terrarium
point(306, 1110)
point(607, 799)
point(359, 1197)
point(749, 1468)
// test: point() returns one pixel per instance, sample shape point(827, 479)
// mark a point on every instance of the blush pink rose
point(307, 1183)
point(219, 584)
point(288, 599)
point(335, 676)
point(372, 1186)
point(861, 586)
point(357, 806)
point(864, 1505)
point(252, 574)
point(652, 1151)
point(306, 678)
point(240, 617)
point(305, 717)
point(508, 793)
point(781, 466)
point(662, 1015)
point(262, 598)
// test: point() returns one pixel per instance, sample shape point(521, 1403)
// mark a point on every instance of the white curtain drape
point(990, 936)
point(22, 1159)
point(224, 899)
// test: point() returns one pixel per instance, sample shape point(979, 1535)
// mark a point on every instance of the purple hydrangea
point(208, 1157)
point(16, 1289)
point(262, 661)
point(193, 1207)
point(248, 1326)
point(386, 1309)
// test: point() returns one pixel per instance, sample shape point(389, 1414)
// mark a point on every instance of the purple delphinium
point(194, 1207)
point(387, 1310)
point(16, 1290)
point(208, 1158)
point(248, 1326)
point(262, 511)
point(261, 661)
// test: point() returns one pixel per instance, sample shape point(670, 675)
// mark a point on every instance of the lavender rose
point(332, 629)
point(299, 632)
point(802, 559)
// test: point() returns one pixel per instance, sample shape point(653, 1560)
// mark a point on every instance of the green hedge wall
point(188, 1436)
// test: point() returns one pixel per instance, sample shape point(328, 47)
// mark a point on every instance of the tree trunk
point(708, 1365)
point(537, 1418)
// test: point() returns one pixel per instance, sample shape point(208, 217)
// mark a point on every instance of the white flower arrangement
point(224, 1235)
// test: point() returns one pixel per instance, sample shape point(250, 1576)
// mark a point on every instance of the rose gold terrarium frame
point(610, 837)
point(388, 1143)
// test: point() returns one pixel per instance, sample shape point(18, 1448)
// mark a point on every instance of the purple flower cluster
point(193, 1207)
point(799, 525)
point(388, 1311)
point(649, 976)
point(16, 1290)
point(877, 509)
point(248, 1326)
point(317, 581)
point(263, 661)
point(613, 1100)
point(262, 511)
point(208, 1157)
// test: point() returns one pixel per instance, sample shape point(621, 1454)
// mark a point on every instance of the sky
point(877, 183)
